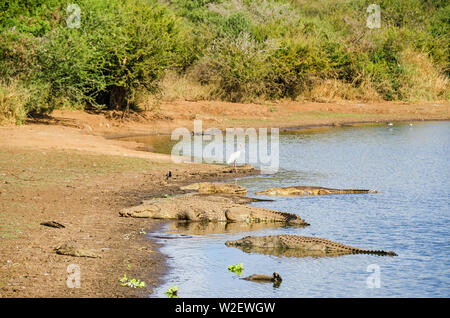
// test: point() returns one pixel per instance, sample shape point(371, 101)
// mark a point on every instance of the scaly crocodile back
point(294, 241)
point(306, 243)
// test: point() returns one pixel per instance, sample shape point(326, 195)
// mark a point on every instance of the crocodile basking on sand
point(209, 208)
point(298, 246)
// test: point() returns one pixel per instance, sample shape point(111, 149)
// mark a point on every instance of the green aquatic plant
point(133, 283)
point(237, 269)
point(172, 292)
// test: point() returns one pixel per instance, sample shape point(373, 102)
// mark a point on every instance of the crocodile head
point(245, 241)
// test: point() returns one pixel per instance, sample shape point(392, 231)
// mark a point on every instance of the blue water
point(410, 215)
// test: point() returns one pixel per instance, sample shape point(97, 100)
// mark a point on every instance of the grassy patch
point(12, 223)
point(23, 170)
point(20, 167)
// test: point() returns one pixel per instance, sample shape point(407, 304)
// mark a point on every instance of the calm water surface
point(409, 165)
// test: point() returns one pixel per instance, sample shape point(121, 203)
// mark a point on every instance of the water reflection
point(410, 215)
point(289, 252)
point(208, 228)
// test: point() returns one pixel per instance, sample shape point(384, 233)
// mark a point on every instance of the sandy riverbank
point(84, 192)
point(62, 168)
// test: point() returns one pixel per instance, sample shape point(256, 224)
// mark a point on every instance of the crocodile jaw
point(241, 242)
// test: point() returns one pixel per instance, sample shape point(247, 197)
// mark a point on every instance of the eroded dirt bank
point(170, 115)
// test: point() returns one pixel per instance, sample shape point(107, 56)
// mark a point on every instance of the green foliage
point(17, 54)
point(237, 65)
point(133, 283)
point(35, 17)
point(276, 49)
point(237, 268)
point(121, 47)
point(293, 63)
point(239, 50)
point(172, 292)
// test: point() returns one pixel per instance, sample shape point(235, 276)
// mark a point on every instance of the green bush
point(35, 17)
point(17, 54)
point(121, 46)
point(237, 65)
point(290, 46)
point(237, 50)
point(292, 66)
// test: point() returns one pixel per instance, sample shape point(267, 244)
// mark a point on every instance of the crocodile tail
point(376, 252)
point(388, 253)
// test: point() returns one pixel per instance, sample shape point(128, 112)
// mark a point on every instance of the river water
point(410, 167)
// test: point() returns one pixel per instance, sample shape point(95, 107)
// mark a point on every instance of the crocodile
point(71, 249)
point(309, 190)
point(210, 209)
point(216, 187)
point(206, 228)
point(298, 246)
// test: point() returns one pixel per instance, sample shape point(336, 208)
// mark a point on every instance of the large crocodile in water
point(210, 208)
point(298, 246)
point(309, 190)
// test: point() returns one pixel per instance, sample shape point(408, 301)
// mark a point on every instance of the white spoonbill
point(235, 156)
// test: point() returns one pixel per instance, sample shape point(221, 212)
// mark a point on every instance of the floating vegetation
point(172, 292)
point(237, 269)
point(133, 283)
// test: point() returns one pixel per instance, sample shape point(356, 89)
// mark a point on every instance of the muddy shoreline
point(89, 209)
point(158, 225)
point(290, 128)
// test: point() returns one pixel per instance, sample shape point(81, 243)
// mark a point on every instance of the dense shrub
point(121, 46)
point(13, 99)
point(290, 46)
point(35, 17)
point(17, 54)
point(237, 65)
point(237, 50)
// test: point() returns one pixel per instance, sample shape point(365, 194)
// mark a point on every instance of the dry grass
point(12, 103)
point(183, 87)
point(333, 90)
point(422, 81)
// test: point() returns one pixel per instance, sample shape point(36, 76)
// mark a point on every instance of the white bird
point(235, 156)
